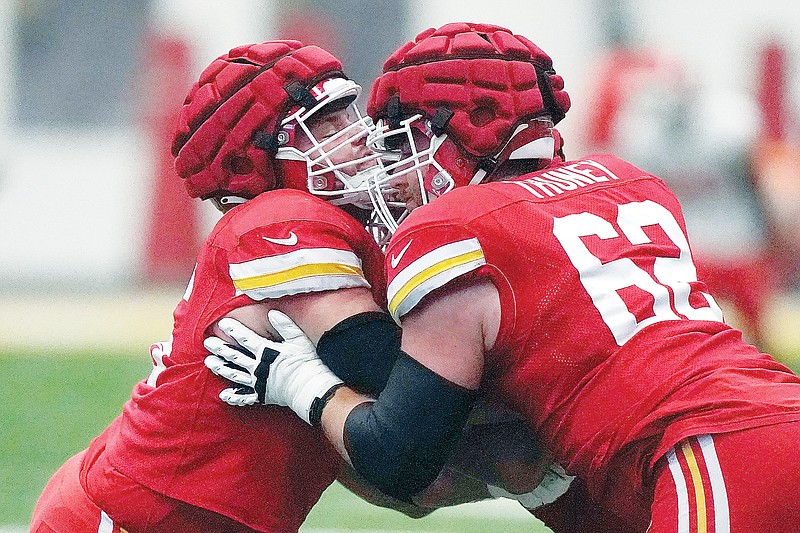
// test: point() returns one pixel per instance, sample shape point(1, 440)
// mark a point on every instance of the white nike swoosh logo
point(396, 258)
point(291, 240)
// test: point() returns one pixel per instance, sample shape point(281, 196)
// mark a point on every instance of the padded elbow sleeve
point(362, 350)
point(400, 442)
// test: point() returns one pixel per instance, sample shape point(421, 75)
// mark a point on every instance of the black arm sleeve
point(400, 442)
point(362, 350)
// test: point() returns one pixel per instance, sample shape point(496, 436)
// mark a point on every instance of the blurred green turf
point(340, 510)
point(51, 407)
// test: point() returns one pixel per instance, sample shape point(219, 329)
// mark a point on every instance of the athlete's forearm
point(335, 415)
point(401, 441)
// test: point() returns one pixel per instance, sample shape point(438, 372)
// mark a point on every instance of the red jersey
point(606, 335)
point(262, 466)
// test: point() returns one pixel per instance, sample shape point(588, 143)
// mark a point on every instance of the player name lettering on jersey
point(566, 178)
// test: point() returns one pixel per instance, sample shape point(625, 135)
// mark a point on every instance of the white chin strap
point(232, 200)
point(541, 148)
point(224, 202)
point(479, 176)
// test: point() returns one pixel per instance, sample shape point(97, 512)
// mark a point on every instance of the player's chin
point(413, 203)
point(412, 198)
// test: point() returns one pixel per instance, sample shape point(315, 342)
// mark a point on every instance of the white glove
point(236, 364)
point(554, 484)
point(285, 373)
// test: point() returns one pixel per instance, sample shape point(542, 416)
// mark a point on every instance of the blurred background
point(98, 238)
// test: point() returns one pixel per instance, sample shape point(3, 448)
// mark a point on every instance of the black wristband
point(318, 405)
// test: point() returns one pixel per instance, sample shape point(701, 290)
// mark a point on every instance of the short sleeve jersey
point(260, 465)
point(606, 335)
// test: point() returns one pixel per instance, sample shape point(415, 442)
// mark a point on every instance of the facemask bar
point(389, 213)
point(354, 186)
point(379, 231)
point(338, 183)
point(397, 163)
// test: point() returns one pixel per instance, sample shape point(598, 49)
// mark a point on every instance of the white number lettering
point(603, 280)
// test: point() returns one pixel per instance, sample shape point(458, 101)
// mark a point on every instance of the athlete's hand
point(285, 373)
point(248, 369)
point(498, 447)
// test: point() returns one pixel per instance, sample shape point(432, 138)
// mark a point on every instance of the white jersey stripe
point(429, 259)
point(300, 271)
point(680, 489)
point(106, 524)
point(430, 271)
point(698, 488)
point(188, 292)
point(304, 285)
point(722, 519)
point(426, 286)
point(266, 266)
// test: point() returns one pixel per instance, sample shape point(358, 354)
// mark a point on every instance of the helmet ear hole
point(239, 165)
point(481, 116)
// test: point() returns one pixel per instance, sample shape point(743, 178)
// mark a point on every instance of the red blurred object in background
point(746, 281)
point(172, 236)
point(776, 167)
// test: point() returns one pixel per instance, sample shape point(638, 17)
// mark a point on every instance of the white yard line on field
point(500, 508)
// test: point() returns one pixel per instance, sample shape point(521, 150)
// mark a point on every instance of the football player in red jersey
point(568, 290)
point(278, 117)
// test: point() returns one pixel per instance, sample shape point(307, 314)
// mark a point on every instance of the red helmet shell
point(238, 97)
point(490, 79)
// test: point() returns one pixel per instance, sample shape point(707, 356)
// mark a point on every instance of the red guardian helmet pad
point(482, 94)
point(490, 79)
point(239, 116)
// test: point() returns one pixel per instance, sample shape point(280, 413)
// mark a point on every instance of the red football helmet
point(458, 102)
point(237, 129)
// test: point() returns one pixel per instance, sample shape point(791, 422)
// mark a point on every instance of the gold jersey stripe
point(295, 273)
point(697, 483)
point(428, 273)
